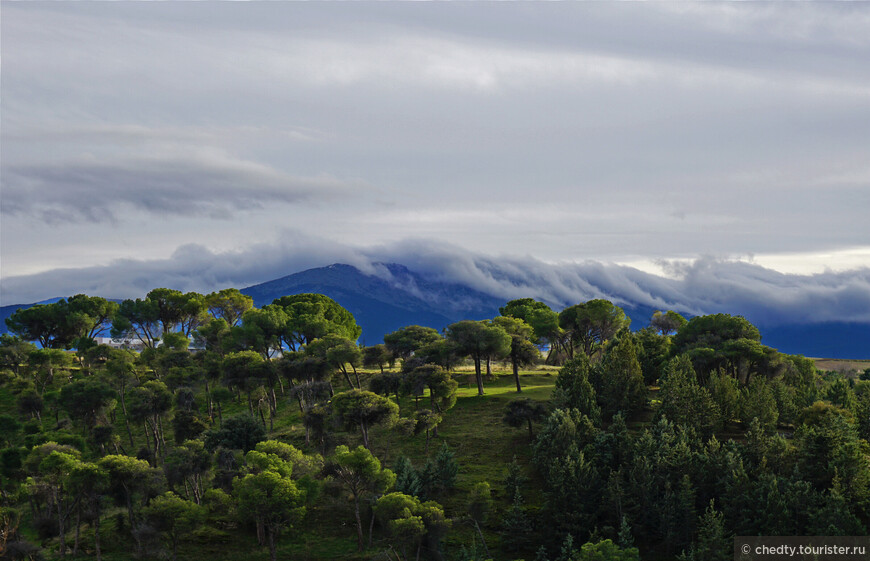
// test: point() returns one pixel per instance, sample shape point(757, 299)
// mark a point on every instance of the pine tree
point(407, 479)
point(516, 526)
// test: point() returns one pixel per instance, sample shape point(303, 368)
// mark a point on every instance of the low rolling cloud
point(701, 286)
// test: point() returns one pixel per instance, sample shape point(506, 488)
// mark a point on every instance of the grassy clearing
point(844, 366)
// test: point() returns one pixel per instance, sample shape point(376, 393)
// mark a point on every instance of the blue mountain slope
point(382, 304)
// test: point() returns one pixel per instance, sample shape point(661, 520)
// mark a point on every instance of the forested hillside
point(212, 428)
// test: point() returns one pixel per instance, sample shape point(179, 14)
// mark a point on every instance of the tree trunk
point(60, 526)
point(133, 524)
point(517, 376)
point(97, 536)
point(478, 376)
point(347, 378)
point(261, 536)
point(356, 375)
point(78, 530)
point(483, 541)
point(365, 433)
point(371, 525)
point(531, 434)
point(209, 402)
point(273, 554)
point(359, 530)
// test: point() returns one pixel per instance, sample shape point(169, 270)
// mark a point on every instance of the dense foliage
point(222, 423)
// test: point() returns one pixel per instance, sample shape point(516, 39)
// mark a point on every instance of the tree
point(148, 403)
point(478, 506)
point(44, 363)
point(360, 473)
point(229, 305)
point(479, 340)
point(241, 432)
point(363, 409)
point(86, 401)
point(621, 380)
point(14, 352)
point(543, 320)
point(605, 550)
point(49, 324)
point(92, 312)
point(120, 374)
point(591, 324)
point(173, 517)
point(338, 352)
point(404, 342)
point(653, 353)
point(54, 470)
point(386, 384)
point(721, 341)
point(128, 477)
point(667, 323)
point(377, 355)
point(684, 402)
point(261, 330)
point(407, 478)
point(442, 352)
point(522, 351)
point(426, 420)
point(185, 466)
point(757, 402)
point(244, 371)
point(524, 411)
point(412, 523)
point(269, 496)
point(516, 526)
point(442, 388)
point(573, 390)
point(140, 319)
point(89, 483)
point(312, 316)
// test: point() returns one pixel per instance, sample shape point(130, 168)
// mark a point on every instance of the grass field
point(848, 367)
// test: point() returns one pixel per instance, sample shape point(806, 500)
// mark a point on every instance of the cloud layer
point(584, 133)
point(705, 285)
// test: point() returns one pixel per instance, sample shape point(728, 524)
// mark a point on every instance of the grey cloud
point(705, 285)
point(98, 190)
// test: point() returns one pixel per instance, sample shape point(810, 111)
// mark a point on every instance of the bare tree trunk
point(359, 531)
point(356, 375)
point(478, 376)
point(60, 527)
point(483, 541)
point(78, 530)
point(209, 401)
point(273, 554)
point(97, 536)
point(365, 434)
point(261, 538)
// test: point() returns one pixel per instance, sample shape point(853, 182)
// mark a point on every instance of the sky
point(200, 145)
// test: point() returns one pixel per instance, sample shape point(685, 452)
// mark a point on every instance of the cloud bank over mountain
point(701, 286)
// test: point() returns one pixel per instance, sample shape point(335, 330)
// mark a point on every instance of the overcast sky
point(142, 143)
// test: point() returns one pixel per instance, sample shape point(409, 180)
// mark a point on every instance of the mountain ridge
point(394, 296)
